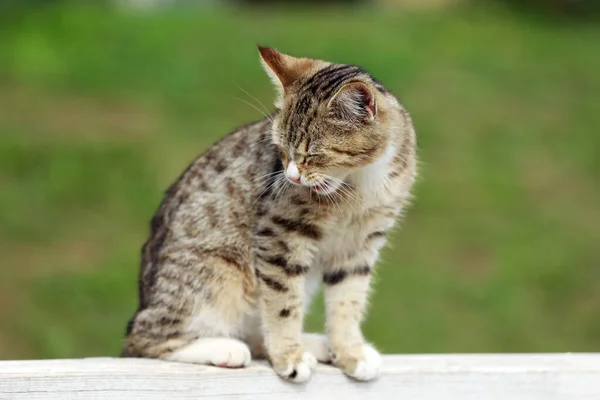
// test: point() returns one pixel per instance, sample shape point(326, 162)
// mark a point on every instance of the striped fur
point(244, 237)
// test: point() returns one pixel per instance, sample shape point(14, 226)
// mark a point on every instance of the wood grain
point(419, 377)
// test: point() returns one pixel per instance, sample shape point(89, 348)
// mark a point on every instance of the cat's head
point(332, 119)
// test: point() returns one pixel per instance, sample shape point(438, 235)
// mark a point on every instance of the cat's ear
point(354, 102)
point(283, 70)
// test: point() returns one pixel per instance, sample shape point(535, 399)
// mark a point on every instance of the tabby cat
point(246, 235)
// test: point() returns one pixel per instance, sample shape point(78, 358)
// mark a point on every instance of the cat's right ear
point(354, 102)
point(283, 69)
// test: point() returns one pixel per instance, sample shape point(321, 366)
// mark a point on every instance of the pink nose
point(292, 173)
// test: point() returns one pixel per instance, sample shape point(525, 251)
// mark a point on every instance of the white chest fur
point(373, 208)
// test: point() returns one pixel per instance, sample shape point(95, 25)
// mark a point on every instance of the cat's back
point(208, 206)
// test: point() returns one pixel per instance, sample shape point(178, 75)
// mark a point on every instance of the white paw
point(317, 345)
point(231, 355)
point(222, 352)
point(369, 367)
point(302, 370)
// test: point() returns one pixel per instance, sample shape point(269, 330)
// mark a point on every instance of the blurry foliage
point(307, 2)
point(565, 8)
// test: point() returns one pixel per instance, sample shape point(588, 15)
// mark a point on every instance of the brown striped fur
point(236, 250)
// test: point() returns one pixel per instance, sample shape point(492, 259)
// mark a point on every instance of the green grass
point(100, 111)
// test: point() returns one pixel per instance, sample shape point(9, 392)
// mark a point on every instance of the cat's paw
point(222, 352)
point(233, 354)
point(296, 366)
point(362, 363)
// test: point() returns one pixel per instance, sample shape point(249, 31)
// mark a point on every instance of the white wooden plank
point(419, 377)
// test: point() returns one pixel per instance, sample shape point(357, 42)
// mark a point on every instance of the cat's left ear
point(355, 102)
point(283, 69)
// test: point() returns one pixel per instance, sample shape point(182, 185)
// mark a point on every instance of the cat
point(249, 232)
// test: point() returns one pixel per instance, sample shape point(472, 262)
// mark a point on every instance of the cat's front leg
point(346, 292)
point(281, 278)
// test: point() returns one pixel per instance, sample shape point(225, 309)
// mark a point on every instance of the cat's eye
point(313, 158)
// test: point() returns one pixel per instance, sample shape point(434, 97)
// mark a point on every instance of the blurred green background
point(102, 107)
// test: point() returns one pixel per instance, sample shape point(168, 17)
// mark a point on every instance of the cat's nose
point(292, 173)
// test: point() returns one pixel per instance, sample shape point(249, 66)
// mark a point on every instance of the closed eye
point(315, 157)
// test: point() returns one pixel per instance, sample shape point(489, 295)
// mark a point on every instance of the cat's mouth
point(320, 187)
point(324, 187)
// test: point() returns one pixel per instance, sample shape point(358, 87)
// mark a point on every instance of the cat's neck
point(372, 180)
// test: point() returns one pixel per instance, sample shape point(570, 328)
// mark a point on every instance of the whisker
point(341, 182)
point(259, 102)
point(341, 197)
point(350, 194)
point(267, 140)
point(269, 187)
point(287, 189)
point(256, 108)
point(347, 198)
point(282, 184)
point(270, 174)
point(344, 187)
point(347, 194)
point(318, 203)
point(263, 192)
point(334, 201)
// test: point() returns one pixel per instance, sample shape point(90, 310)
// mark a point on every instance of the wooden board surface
point(419, 377)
